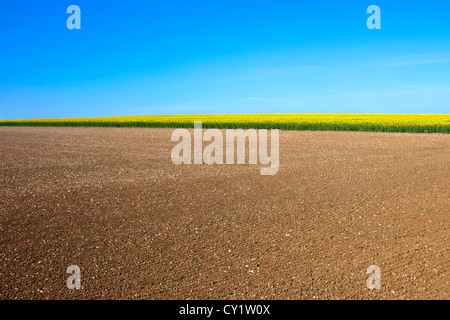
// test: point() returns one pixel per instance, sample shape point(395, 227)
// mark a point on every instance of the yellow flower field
point(429, 123)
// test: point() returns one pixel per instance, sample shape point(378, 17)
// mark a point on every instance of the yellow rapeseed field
point(287, 121)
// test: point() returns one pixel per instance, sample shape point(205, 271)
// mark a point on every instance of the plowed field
point(111, 201)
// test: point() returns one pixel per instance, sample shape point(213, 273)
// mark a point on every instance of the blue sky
point(194, 57)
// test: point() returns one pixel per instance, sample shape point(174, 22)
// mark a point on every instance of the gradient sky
point(194, 57)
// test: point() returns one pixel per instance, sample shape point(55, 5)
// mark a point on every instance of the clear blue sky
point(191, 57)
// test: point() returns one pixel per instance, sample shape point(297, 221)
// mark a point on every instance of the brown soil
point(111, 201)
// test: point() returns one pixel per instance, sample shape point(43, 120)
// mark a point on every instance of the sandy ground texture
point(111, 201)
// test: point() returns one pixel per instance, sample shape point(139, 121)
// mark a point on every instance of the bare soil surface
point(111, 201)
